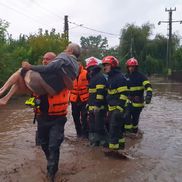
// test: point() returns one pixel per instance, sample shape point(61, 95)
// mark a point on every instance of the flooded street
point(157, 156)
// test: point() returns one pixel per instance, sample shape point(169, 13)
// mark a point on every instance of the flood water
point(157, 156)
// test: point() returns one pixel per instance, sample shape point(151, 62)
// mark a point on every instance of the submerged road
point(157, 156)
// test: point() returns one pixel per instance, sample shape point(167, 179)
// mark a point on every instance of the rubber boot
point(104, 140)
point(96, 140)
point(93, 138)
point(122, 143)
point(50, 177)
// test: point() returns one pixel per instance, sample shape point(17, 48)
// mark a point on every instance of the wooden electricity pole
point(169, 43)
point(66, 28)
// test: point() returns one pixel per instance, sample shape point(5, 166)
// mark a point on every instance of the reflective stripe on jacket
point(117, 91)
point(138, 83)
point(97, 91)
point(80, 87)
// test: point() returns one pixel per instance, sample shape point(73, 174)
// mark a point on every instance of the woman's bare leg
point(18, 87)
point(13, 79)
point(12, 91)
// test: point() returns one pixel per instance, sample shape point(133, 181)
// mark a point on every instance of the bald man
point(50, 114)
point(48, 58)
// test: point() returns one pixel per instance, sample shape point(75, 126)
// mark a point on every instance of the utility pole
point(169, 42)
point(66, 28)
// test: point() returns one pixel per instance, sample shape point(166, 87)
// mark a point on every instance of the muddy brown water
point(157, 156)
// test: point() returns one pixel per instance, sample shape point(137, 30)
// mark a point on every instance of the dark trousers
point(133, 118)
point(116, 126)
point(97, 122)
point(51, 135)
point(97, 129)
point(79, 113)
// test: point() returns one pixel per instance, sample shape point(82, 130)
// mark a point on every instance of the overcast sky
point(110, 16)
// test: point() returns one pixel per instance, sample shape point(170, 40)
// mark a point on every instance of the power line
point(19, 12)
point(48, 10)
point(52, 13)
point(88, 28)
point(77, 24)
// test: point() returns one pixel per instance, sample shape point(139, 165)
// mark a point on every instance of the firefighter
point(116, 99)
point(78, 98)
point(96, 103)
point(138, 84)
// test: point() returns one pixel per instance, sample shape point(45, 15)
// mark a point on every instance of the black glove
point(147, 99)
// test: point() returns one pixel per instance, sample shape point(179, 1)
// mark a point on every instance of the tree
point(44, 42)
point(3, 30)
point(93, 46)
point(133, 41)
point(31, 48)
point(178, 59)
point(3, 52)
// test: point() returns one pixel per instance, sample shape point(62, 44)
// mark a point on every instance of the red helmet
point(131, 62)
point(110, 60)
point(91, 62)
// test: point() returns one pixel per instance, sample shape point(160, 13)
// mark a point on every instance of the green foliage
point(134, 41)
point(151, 53)
point(93, 46)
point(153, 65)
point(157, 47)
point(43, 42)
point(30, 48)
point(178, 59)
point(3, 30)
